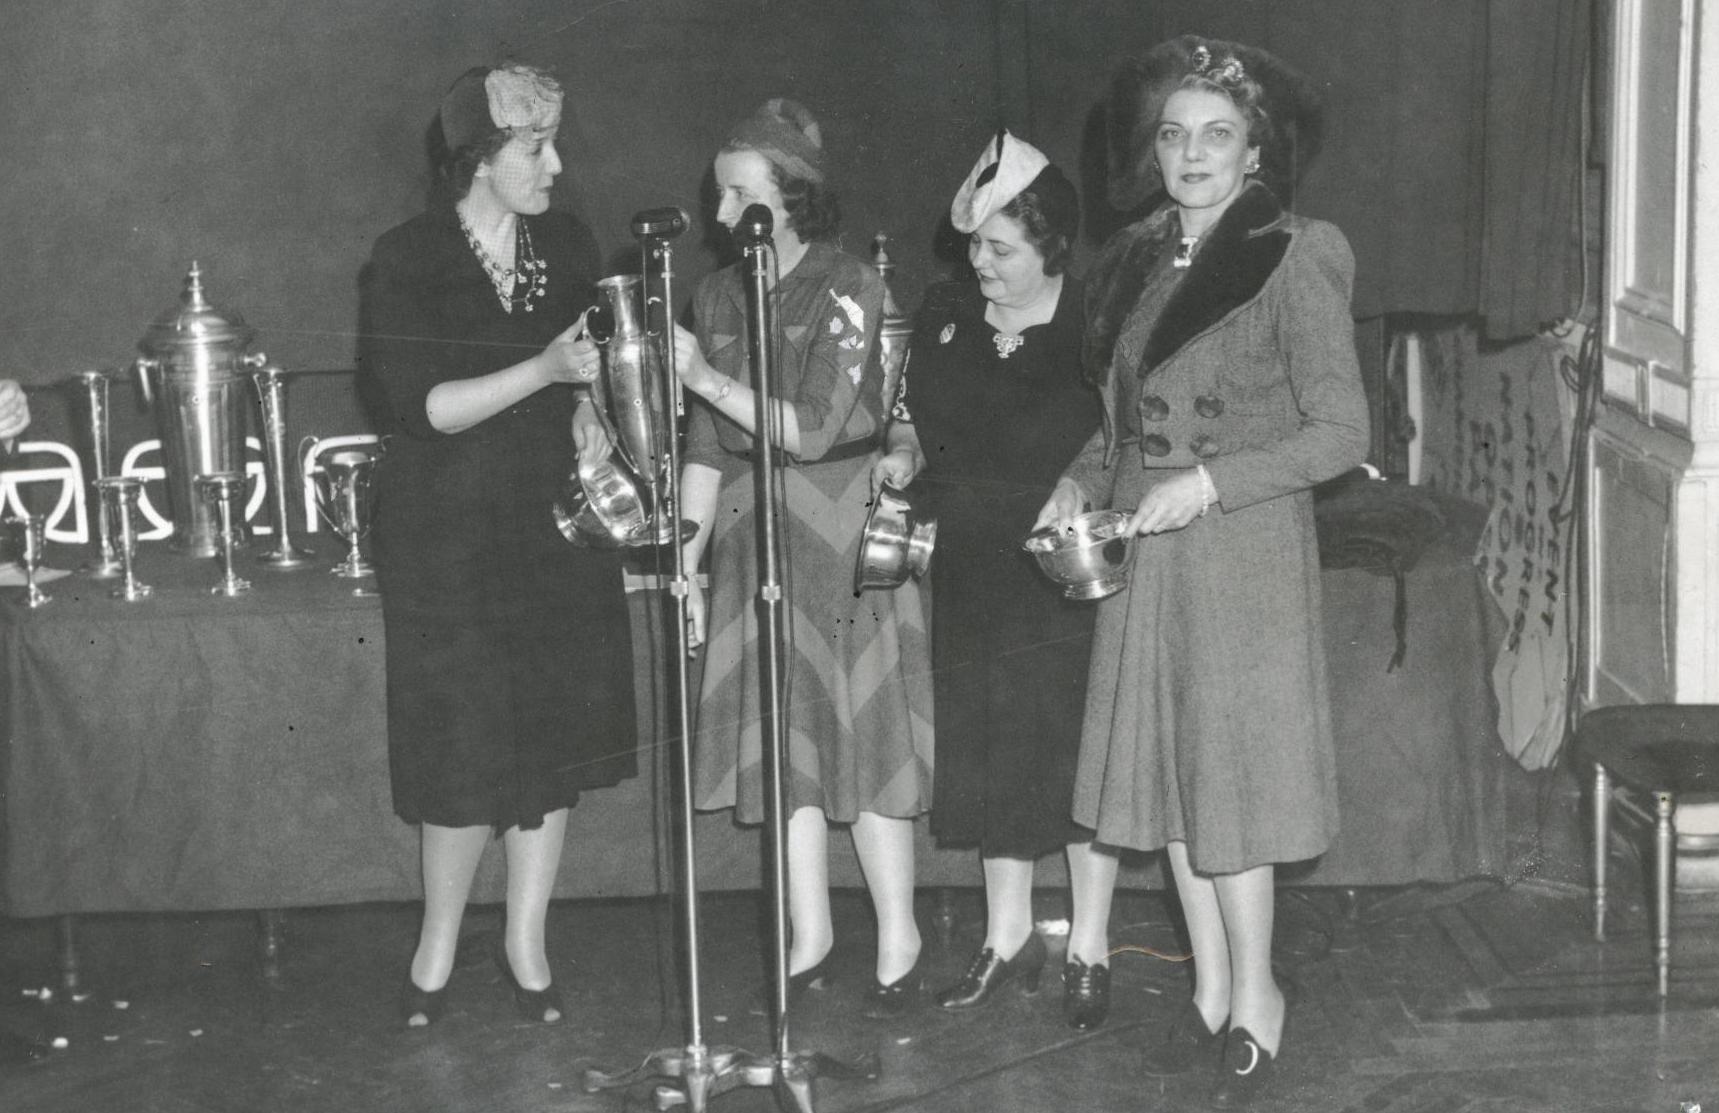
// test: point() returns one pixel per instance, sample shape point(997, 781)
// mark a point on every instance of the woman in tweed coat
point(1219, 327)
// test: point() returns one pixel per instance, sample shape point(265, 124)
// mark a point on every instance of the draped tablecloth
point(201, 753)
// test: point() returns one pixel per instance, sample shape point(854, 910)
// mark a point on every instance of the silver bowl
point(1088, 559)
point(895, 543)
point(602, 507)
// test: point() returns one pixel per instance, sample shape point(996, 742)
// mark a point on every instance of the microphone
point(755, 226)
point(666, 222)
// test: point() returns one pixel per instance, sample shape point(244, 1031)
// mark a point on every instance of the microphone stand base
point(701, 1075)
point(287, 560)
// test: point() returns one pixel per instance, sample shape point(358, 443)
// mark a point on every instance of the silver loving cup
point(616, 504)
point(193, 371)
point(895, 544)
point(344, 482)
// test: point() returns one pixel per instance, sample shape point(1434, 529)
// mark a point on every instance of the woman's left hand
point(590, 436)
point(1170, 505)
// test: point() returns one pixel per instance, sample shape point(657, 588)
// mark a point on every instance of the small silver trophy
point(222, 488)
point(343, 481)
point(27, 534)
point(119, 495)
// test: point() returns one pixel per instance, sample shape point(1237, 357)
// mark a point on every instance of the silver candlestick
point(106, 564)
point(222, 488)
point(120, 493)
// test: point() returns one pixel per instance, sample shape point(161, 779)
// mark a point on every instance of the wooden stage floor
point(1488, 995)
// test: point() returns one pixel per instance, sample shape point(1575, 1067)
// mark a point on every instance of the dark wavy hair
point(812, 208)
point(453, 170)
point(1048, 211)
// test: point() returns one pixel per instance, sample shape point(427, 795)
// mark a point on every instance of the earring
point(1252, 166)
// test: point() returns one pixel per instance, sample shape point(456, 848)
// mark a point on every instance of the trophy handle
point(146, 367)
point(306, 454)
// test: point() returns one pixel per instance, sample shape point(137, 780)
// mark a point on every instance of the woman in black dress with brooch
point(509, 662)
point(991, 399)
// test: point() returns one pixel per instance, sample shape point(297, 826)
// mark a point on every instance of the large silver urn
point(195, 374)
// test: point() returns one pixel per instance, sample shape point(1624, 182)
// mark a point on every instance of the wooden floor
point(1488, 995)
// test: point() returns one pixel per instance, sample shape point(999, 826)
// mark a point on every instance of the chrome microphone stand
point(700, 1072)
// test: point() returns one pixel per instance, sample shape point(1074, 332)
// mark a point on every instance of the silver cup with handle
point(344, 480)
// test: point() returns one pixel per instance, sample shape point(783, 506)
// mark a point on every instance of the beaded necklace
point(530, 270)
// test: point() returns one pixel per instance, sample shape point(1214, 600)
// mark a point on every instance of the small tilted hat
point(1006, 167)
point(514, 98)
point(786, 133)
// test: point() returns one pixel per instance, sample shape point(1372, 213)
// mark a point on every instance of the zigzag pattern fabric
point(859, 723)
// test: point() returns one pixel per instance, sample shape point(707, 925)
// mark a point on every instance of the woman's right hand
point(572, 357)
point(690, 366)
point(695, 613)
point(1066, 501)
point(895, 468)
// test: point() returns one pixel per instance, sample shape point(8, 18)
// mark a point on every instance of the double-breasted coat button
point(1154, 408)
point(1208, 405)
point(1205, 445)
point(1154, 445)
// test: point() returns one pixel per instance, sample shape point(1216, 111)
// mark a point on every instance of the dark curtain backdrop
point(273, 142)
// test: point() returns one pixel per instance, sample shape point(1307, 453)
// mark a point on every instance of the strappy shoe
point(1187, 1045)
point(987, 973)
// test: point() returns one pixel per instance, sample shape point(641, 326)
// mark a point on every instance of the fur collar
point(1231, 268)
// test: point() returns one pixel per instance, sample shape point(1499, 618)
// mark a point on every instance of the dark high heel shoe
point(534, 1005)
point(1185, 1046)
point(987, 973)
point(817, 976)
point(1245, 1070)
point(425, 1003)
point(1085, 994)
point(886, 1002)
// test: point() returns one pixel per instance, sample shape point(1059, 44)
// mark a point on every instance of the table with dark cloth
point(203, 753)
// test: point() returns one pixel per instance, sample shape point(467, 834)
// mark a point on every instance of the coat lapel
point(1228, 272)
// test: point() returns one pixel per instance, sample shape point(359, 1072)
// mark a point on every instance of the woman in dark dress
point(992, 393)
point(1220, 328)
point(509, 669)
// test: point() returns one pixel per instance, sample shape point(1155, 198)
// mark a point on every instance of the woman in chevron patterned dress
point(857, 665)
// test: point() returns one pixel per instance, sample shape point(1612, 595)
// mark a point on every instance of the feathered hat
point(1141, 85)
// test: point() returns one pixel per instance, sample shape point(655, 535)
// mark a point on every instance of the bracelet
point(1207, 491)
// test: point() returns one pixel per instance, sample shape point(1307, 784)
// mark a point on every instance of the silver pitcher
point(195, 374)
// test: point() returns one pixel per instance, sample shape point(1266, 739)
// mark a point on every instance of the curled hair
point(1048, 211)
point(1283, 111)
point(454, 170)
point(812, 208)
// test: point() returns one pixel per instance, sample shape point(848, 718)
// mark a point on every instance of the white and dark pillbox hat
point(1006, 167)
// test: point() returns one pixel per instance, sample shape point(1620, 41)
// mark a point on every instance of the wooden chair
point(1657, 750)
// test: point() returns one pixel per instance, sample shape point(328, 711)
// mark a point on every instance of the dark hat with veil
point(1291, 108)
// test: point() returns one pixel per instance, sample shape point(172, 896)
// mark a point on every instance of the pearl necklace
point(529, 269)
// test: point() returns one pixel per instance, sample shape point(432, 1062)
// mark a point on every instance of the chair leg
point(1602, 838)
point(1664, 853)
